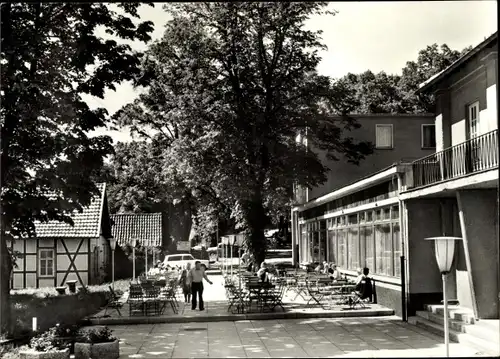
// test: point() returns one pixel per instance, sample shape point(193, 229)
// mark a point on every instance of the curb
point(238, 317)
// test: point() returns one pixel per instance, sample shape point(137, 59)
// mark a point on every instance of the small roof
point(87, 224)
point(146, 228)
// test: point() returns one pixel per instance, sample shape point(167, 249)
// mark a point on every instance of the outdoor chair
point(300, 286)
point(362, 294)
point(274, 297)
point(236, 297)
point(160, 283)
point(152, 301)
point(316, 295)
point(135, 299)
point(170, 293)
point(114, 303)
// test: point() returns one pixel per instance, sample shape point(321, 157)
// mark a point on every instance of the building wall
point(474, 81)
point(423, 277)
point(27, 272)
point(481, 220)
point(407, 138)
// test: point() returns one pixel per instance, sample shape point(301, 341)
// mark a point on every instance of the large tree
point(382, 93)
point(50, 57)
point(235, 83)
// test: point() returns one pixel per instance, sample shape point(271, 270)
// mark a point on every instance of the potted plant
point(67, 335)
point(97, 342)
point(46, 346)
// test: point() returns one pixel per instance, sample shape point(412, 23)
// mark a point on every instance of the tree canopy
point(228, 88)
point(387, 93)
point(51, 56)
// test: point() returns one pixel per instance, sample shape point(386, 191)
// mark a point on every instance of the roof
point(440, 75)
point(358, 185)
point(87, 224)
point(146, 228)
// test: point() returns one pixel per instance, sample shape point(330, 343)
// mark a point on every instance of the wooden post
point(463, 228)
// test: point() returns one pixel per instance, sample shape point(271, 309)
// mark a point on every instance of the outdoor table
point(259, 289)
point(341, 292)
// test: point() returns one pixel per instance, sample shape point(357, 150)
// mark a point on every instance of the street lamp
point(444, 250)
point(112, 243)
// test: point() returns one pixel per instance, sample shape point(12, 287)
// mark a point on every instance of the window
point(353, 248)
point(473, 119)
point(383, 249)
point(341, 248)
point(395, 212)
point(397, 249)
point(46, 265)
point(428, 136)
point(369, 248)
point(383, 136)
point(332, 248)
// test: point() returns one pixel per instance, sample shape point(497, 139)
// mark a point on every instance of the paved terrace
point(216, 310)
point(368, 337)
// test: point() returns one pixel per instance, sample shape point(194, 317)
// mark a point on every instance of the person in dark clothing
point(364, 289)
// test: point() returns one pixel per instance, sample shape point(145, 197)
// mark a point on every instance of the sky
point(376, 36)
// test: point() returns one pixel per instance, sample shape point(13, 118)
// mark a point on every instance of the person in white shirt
point(335, 273)
point(326, 267)
point(360, 276)
point(195, 279)
point(245, 258)
point(262, 273)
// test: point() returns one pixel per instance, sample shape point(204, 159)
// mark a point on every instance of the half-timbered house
point(60, 252)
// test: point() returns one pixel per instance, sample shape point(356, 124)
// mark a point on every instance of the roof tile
point(145, 227)
point(86, 223)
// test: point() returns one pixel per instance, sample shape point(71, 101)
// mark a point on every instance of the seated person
point(334, 272)
point(156, 270)
point(319, 268)
point(364, 289)
point(262, 273)
point(326, 267)
point(359, 277)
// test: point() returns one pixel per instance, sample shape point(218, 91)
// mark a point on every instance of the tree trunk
point(256, 220)
point(5, 272)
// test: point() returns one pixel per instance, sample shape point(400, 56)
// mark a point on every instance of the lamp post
point(134, 244)
point(112, 243)
point(444, 251)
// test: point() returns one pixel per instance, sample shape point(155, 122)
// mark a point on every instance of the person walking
point(195, 278)
point(184, 282)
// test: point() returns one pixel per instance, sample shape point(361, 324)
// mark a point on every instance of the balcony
point(473, 156)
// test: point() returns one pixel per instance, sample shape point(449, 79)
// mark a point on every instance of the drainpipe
point(294, 236)
point(498, 242)
point(402, 231)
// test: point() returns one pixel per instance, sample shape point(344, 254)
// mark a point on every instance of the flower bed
point(50, 308)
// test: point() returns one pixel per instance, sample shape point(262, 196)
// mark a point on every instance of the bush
point(47, 341)
point(51, 308)
point(96, 335)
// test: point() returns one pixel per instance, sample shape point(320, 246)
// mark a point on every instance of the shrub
point(96, 335)
point(47, 342)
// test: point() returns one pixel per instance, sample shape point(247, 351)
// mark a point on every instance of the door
point(473, 148)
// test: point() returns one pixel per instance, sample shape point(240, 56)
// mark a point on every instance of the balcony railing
point(475, 155)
